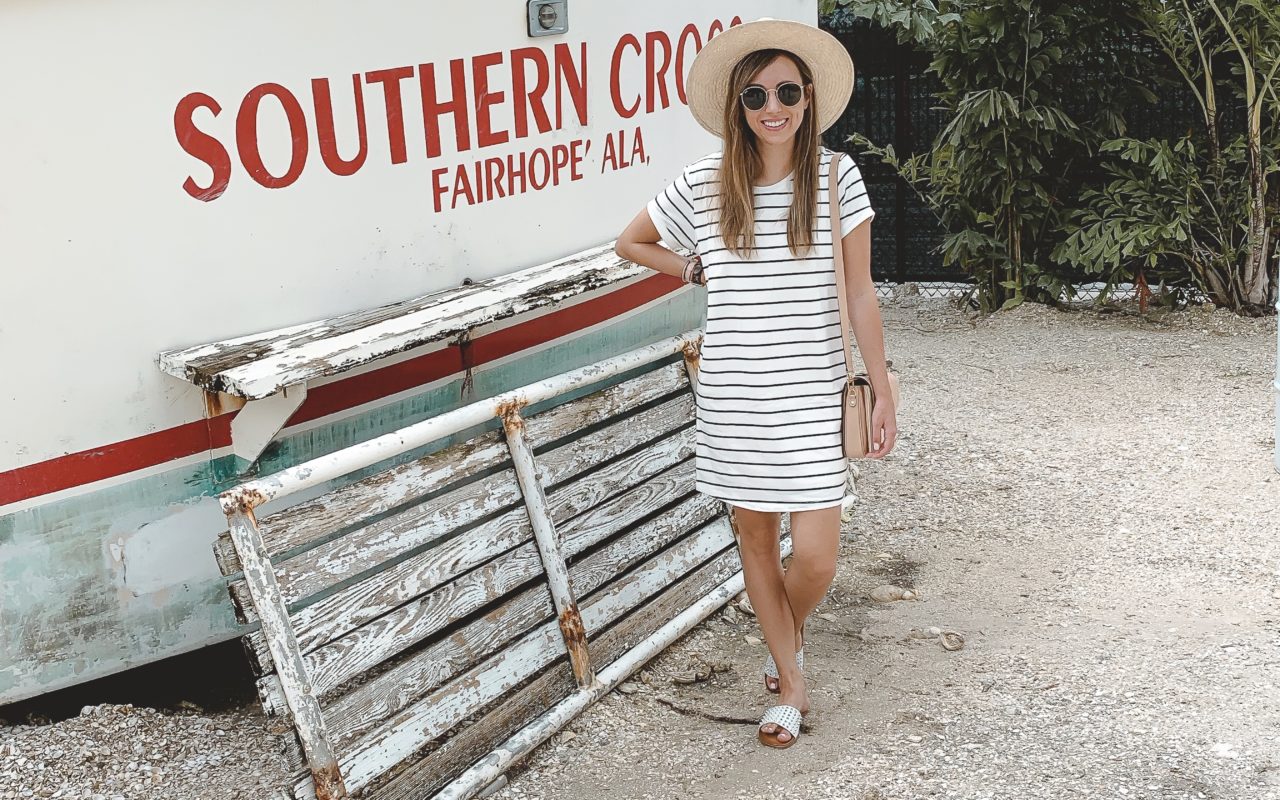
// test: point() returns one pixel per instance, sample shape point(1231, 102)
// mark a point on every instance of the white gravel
point(118, 752)
point(1087, 498)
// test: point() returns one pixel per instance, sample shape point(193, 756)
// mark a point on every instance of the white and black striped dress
point(768, 394)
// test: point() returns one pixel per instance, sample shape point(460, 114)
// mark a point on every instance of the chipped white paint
point(365, 548)
point(404, 734)
point(260, 420)
point(504, 756)
point(294, 683)
point(548, 542)
point(365, 624)
point(300, 525)
point(337, 464)
point(259, 365)
point(630, 468)
point(363, 709)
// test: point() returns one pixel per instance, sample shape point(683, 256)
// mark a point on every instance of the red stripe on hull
point(152, 449)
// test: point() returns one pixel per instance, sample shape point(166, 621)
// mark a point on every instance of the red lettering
point(201, 145)
point(485, 98)
point(575, 82)
point(610, 159)
point(534, 97)
point(656, 76)
point(615, 88)
point(575, 159)
point(513, 173)
point(482, 180)
point(325, 134)
point(559, 160)
point(461, 185)
point(716, 27)
point(432, 108)
point(534, 181)
point(247, 135)
point(690, 31)
point(492, 182)
point(637, 148)
point(438, 188)
point(390, 80)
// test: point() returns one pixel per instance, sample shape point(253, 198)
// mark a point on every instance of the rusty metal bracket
point(468, 360)
point(692, 352)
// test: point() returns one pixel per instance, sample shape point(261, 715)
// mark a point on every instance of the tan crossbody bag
point(858, 398)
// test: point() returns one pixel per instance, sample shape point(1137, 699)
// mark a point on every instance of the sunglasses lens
point(790, 93)
point(753, 97)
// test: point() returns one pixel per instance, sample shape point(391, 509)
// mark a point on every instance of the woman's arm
point(868, 330)
point(639, 243)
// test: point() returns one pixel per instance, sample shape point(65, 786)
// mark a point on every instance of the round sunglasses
point(754, 96)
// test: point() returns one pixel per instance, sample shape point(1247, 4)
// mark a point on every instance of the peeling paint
point(63, 616)
point(262, 364)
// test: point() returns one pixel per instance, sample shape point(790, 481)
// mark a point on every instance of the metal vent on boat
point(548, 17)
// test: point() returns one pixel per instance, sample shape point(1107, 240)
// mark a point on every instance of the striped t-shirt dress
point(771, 375)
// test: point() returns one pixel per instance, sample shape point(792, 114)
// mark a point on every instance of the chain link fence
point(895, 102)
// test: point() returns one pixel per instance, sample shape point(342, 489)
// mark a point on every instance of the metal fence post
point(260, 577)
point(548, 541)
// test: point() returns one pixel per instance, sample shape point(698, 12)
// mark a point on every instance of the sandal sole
point(768, 740)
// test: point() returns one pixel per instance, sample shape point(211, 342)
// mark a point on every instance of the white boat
point(180, 174)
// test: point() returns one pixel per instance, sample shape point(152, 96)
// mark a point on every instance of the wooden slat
point(364, 549)
point(260, 365)
point(608, 403)
point(350, 505)
point(370, 547)
point(430, 774)
point(580, 507)
point(406, 623)
point(367, 706)
point(409, 618)
point(608, 443)
point(321, 623)
point(420, 723)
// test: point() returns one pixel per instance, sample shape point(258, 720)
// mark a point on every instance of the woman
point(772, 368)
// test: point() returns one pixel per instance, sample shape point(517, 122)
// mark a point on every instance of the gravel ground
point(1086, 498)
point(119, 752)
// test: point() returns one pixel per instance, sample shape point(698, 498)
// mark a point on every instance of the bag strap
point(837, 253)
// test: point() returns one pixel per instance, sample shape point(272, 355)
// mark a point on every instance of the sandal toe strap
point(786, 717)
point(771, 666)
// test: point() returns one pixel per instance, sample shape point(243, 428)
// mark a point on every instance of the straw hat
point(825, 56)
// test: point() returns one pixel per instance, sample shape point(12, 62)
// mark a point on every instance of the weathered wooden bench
point(427, 624)
point(267, 374)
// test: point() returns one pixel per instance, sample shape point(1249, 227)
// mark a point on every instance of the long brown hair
point(741, 164)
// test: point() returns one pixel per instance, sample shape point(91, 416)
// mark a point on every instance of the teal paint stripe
point(125, 575)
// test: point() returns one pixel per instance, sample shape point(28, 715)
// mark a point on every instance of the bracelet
point(693, 272)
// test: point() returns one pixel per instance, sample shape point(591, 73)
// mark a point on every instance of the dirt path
point(1090, 501)
point(1087, 499)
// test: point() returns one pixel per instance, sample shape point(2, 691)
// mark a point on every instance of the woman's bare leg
point(762, 573)
point(815, 543)
point(813, 551)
